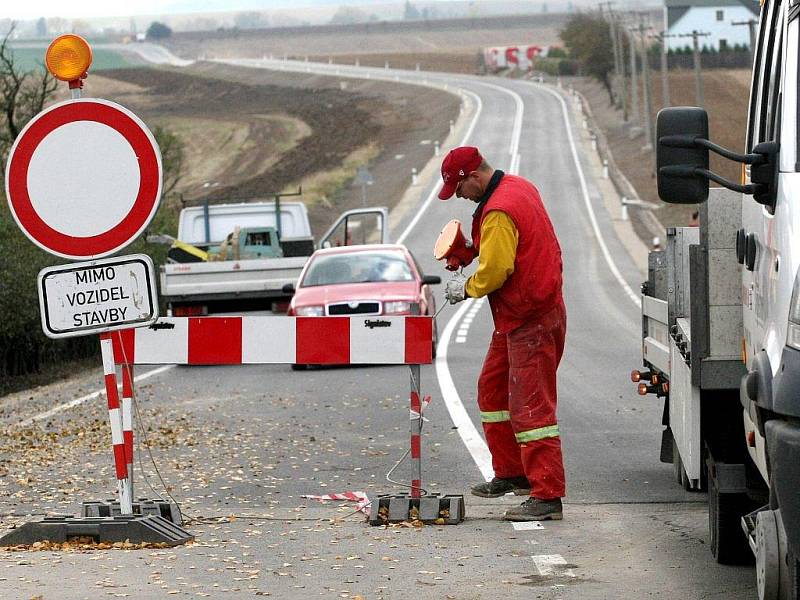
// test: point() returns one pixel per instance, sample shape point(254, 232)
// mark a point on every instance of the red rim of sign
point(147, 198)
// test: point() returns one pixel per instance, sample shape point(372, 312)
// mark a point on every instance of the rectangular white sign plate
point(97, 296)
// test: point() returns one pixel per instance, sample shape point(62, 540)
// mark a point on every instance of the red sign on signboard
point(83, 178)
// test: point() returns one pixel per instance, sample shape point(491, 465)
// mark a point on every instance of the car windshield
point(357, 267)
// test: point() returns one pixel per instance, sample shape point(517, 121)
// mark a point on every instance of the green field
point(33, 58)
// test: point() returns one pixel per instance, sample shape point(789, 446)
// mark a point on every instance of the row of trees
point(587, 37)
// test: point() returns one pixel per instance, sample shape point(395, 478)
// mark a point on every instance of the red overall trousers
point(517, 400)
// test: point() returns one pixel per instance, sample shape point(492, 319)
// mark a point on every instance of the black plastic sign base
point(110, 508)
point(149, 529)
point(433, 509)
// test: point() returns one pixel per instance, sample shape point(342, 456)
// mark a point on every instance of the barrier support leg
point(127, 421)
point(430, 508)
point(416, 432)
point(115, 419)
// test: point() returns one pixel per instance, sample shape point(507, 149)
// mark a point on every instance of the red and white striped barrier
point(271, 340)
point(115, 418)
point(262, 340)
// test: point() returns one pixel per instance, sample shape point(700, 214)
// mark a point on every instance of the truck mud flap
point(667, 444)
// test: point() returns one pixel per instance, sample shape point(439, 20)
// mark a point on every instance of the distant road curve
point(152, 53)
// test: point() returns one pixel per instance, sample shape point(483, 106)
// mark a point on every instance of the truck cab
point(732, 423)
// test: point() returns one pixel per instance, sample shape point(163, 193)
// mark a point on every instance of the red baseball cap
point(458, 163)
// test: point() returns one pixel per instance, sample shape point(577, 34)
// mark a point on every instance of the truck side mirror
point(678, 183)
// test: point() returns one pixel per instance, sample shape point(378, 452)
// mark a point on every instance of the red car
point(378, 279)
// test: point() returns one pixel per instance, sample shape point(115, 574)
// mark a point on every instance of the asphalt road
point(242, 445)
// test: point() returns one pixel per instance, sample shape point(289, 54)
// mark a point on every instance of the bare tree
point(23, 95)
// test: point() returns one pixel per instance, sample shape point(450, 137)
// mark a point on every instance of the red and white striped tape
point(270, 340)
point(420, 415)
point(359, 497)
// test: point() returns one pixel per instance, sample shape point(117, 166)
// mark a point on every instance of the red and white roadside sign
point(83, 178)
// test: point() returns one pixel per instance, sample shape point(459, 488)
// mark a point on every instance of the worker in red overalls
point(519, 268)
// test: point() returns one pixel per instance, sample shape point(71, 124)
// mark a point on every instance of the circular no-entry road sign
point(83, 178)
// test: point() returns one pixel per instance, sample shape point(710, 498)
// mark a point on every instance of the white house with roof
point(715, 17)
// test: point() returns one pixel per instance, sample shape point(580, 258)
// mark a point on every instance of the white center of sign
point(83, 168)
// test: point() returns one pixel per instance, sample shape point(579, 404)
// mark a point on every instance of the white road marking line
point(78, 401)
point(550, 565)
point(528, 526)
point(458, 414)
point(460, 340)
point(606, 254)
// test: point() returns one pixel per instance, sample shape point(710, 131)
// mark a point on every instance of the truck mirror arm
point(689, 171)
point(691, 141)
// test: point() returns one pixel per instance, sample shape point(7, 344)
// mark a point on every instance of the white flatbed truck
point(202, 287)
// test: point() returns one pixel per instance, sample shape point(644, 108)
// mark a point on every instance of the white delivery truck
point(238, 257)
point(721, 317)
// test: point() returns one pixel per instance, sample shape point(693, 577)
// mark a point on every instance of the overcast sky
point(32, 9)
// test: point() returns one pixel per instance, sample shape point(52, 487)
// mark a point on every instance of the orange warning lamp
point(454, 247)
point(68, 58)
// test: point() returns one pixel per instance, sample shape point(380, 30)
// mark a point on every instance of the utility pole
point(623, 77)
point(634, 80)
point(751, 24)
point(647, 109)
point(662, 37)
point(698, 73)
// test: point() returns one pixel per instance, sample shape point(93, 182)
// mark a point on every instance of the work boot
point(500, 487)
point(534, 509)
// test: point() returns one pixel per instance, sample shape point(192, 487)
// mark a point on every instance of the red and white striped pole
point(416, 432)
point(127, 420)
point(115, 419)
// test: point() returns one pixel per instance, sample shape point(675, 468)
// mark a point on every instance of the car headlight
point(397, 307)
point(309, 311)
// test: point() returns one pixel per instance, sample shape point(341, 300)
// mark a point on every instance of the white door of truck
point(357, 227)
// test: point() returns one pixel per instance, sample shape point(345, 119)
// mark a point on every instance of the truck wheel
point(767, 556)
point(793, 591)
point(299, 367)
point(727, 539)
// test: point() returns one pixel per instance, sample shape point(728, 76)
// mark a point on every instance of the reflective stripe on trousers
point(537, 434)
point(497, 416)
